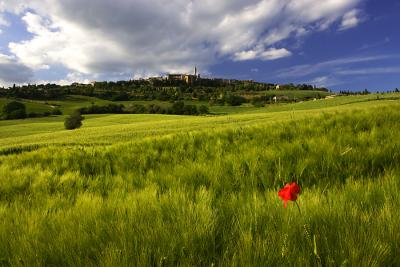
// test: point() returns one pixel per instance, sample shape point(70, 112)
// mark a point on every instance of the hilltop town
point(195, 79)
point(171, 87)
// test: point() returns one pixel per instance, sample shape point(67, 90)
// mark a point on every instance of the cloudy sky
point(340, 44)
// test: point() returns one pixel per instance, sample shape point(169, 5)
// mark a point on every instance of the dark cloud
point(13, 72)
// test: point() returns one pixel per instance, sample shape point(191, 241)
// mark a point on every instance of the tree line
point(177, 108)
point(348, 92)
point(151, 89)
point(17, 110)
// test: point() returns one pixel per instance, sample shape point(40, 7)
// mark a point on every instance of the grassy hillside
point(31, 105)
point(159, 190)
point(70, 103)
point(67, 105)
point(296, 93)
point(73, 102)
point(109, 129)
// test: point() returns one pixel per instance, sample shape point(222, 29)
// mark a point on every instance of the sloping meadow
point(210, 197)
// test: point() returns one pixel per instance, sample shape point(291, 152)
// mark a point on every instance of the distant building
point(152, 79)
point(175, 77)
point(187, 78)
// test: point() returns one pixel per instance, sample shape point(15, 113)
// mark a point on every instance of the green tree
point(14, 110)
point(74, 121)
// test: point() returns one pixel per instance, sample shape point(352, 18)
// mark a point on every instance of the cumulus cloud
point(68, 44)
point(150, 36)
point(13, 72)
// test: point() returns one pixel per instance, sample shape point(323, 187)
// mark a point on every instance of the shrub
point(16, 114)
point(203, 109)
point(178, 107)
point(257, 102)
point(235, 100)
point(108, 109)
point(33, 115)
point(74, 121)
point(155, 109)
point(56, 111)
point(190, 110)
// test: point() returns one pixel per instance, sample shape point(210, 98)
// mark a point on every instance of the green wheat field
point(165, 190)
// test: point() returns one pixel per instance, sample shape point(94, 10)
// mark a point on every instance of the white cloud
point(150, 36)
point(350, 20)
point(279, 34)
point(334, 72)
point(330, 65)
point(66, 44)
point(74, 77)
point(369, 71)
point(14, 6)
point(376, 44)
point(273, 53)
point(258, 53)
point(246, 55)
point(324, 81)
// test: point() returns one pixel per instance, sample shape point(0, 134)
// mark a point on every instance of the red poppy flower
point(289, 192)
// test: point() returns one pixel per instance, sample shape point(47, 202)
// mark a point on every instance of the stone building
point(187, 78)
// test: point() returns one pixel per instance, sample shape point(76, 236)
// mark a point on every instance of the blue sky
point(339, 44)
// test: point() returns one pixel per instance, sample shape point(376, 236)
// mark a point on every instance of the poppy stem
point(298, 207)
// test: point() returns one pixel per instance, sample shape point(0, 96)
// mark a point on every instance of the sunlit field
point(166, 190)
